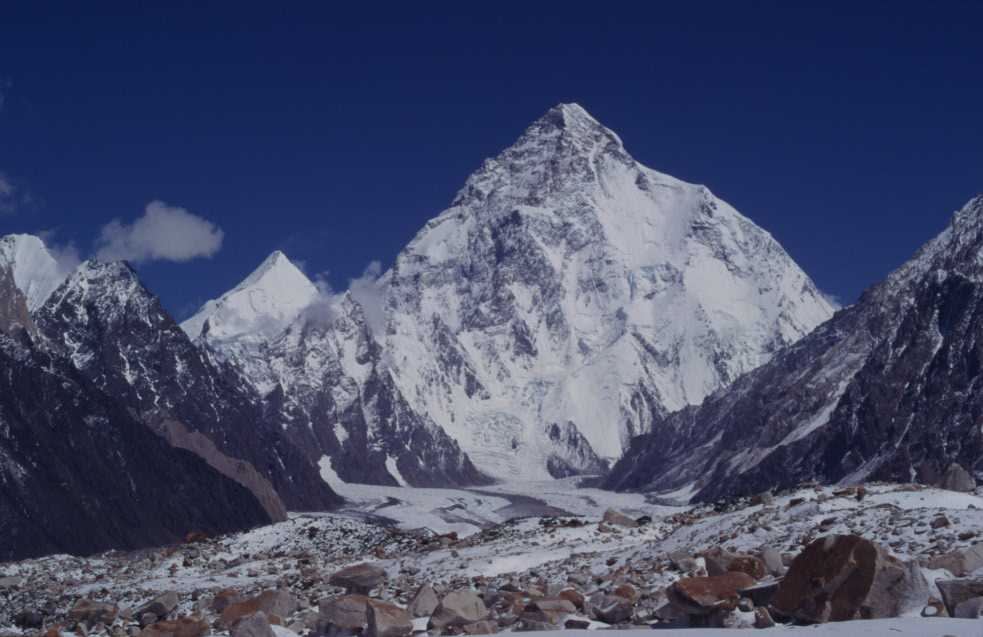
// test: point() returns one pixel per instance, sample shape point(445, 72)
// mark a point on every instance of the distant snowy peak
point(36, 271)
point(260, 307)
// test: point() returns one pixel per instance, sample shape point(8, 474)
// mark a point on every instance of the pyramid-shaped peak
point(278, 269)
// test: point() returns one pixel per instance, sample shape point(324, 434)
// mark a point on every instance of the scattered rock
point(93, 612)
point(842, 577)
point(180, 627)
point(486, 627)
point(276, 603)
point(345, 613)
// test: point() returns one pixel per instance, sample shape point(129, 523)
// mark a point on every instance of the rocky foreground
point(809, 556)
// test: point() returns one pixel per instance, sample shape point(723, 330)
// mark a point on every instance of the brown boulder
point(574, 597)
point(613, 609)
point(704, 595)
point(719, 561)
point(959, 563)
point(256, 625)
point(843, 577)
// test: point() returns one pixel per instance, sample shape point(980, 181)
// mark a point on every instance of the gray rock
point(956, 591)
point(388, 620)
point(11, 583)
point(424, 602)
point(613, 517)
point(345, 613)
point(958, 479)
point(614, 609)
point(457, 609)
point(255, 625)
point(972, 608)
point(959, 563)
point(160, 606)
point(773, 562)
point(359, 579)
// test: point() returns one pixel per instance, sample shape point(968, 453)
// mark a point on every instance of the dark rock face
point(887, 389)
point(117, 334)
point(79, 475)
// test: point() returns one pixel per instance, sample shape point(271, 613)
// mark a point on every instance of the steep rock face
point(570, 290)
point(888, 389)
point(117, 334)
point(79, 475)
point(14, 316)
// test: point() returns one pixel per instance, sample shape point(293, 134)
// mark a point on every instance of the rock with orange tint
point(705, 595)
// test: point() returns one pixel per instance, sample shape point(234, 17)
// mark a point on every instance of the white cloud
point(163, 233)
point(369, 291)
point(66, 254)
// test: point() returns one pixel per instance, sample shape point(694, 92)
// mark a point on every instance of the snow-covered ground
point(516, 535)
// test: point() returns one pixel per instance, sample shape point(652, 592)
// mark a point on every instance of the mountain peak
point(36, 271)
point(263, 303)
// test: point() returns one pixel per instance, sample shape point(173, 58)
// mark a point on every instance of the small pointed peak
point(276, 265)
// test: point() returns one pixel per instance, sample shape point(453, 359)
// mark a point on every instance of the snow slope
point(36, 271)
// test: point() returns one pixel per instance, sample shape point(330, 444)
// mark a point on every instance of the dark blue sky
point(849, 133)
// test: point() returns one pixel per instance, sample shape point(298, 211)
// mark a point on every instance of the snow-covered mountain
point(570, 294)
point(117, 334)
point(36, 271)
point(889, 389)
point(314, 359)
point(567, 298)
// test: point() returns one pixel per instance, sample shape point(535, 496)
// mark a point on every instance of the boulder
point(256, 625)
point(180, 627)
point(29, 619)
point(704, 595)
point(958, 479)
point(458, 608)
point(843, 577)
point(225, 598)
point(956, 591)
point(348, 613)
point(614, 609)
point(972, 608)
point(359, 579)
point(573, 596)
point(92, 612)
point(719, 561)
point(959, 563)
point(387, 620)
point(762, 618)
point(160, 606)
point(613, 517)
point(424, 602)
